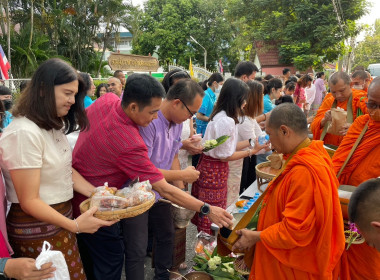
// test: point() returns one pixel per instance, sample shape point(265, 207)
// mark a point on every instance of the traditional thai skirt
point(211, 187)
point(179, 252)
point(26, 236)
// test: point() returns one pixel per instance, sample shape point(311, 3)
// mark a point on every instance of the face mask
point(359, 87)
point(218, 89)
point(374, 114)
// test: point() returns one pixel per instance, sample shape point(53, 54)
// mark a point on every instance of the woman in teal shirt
point(272, 91)
point(214, 85)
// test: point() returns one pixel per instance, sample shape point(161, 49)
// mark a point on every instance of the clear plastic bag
point(56, 257)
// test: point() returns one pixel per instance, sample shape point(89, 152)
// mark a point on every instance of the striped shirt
point(112, 150)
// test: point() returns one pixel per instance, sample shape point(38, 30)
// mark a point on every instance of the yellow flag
point(191, 69)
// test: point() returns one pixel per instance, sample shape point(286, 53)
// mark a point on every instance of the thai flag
point(4, 65)
point(220, 66)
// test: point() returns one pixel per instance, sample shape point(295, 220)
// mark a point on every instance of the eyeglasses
point(372, 105)
point(191, 113)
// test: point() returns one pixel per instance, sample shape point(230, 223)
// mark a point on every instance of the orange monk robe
point(301, 221)
point(315, 126)
point(362, 261)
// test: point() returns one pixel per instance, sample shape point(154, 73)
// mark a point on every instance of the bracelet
point(76, 223)
point(265, 117)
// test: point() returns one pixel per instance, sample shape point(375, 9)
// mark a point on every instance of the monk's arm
point(297, 227)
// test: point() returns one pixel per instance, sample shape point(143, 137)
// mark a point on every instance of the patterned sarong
point(211, 187)
point(26, 236)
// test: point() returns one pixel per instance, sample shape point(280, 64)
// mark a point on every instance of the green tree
point(306, 32)
point(166, 27)
point(368, 50)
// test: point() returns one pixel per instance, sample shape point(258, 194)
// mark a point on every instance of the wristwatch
point(251, 142)
point(3, 261)
point(205, 210)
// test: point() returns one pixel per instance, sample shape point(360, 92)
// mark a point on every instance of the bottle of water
point(263, 138)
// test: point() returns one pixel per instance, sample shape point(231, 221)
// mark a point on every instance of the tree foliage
point(70, 26)
point(368, 50)
point(306, 32)
point(168, 24)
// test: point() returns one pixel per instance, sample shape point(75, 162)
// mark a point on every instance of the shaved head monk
point(364, 211)
point(300, 229)
point(360, 80)
point(341, 95)
point(361, 261)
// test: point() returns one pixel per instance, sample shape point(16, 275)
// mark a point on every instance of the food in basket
point(107, 200)
point(276, 160)
point(269, 170)
point(212, 144)
point(107, 203)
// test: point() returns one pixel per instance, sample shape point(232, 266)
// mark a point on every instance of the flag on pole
point(4, 65)
point(191, 69)
point(220, 66)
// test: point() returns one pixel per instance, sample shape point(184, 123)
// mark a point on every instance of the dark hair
point(141, 88)
point(117, 72)
point(97, 92)
point(273, 83)
point(232, 96)
point(293, 79)
point(290, 86)
point(290, 115)
point(185, 90)
point(284, 99)
point(173, 75)
point(203, 85)
point(23, 85)
point(259, 79)
point(215, 77)
point(255, 101)
point(5, 91)
point(245, 68)
point(361, 74)
point(298, 76)
point(363, 201)
point(319, 74)
point(268, 77)
point(285, 71)
point(86, 81)
point(302, 82)
point(334, 78)
point(38, 103)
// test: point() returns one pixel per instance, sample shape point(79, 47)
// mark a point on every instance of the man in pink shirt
point(113, 151)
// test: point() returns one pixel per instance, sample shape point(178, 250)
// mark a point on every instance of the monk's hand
point(344, 129)
point(220, 217)
point(326, 118)
point(247, 239)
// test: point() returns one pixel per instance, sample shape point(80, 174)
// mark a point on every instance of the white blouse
point(221, 125)
point(249, 129)
point(24, 145)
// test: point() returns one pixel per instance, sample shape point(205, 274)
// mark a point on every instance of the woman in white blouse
point(247, 129)
point(36, 161)
point(211, 187)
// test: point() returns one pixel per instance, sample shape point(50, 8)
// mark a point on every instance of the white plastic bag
point(56, 257)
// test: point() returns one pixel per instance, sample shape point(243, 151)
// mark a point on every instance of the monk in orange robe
point(363, 261)
point(300, 229)
point(341, 92)
point(360, 80)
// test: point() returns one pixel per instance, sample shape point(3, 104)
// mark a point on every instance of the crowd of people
point(59, 142)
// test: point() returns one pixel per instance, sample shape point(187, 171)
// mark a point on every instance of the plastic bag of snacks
point(106, 199)
point(205, 244)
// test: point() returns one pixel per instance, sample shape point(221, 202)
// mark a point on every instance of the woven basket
point(119, 214)
point(262, 177)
